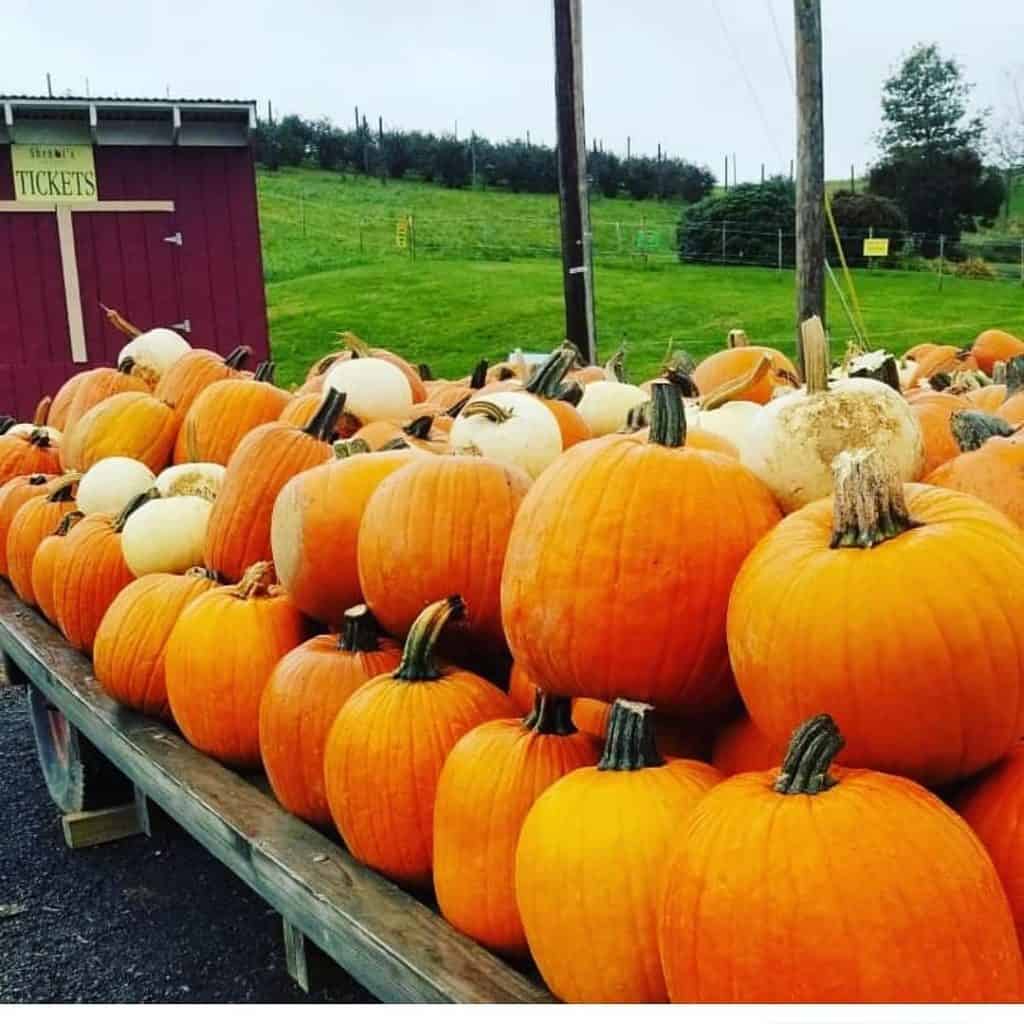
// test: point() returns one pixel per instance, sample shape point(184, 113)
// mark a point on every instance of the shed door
point(130, 262)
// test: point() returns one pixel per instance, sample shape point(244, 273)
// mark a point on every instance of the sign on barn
point(145, 206)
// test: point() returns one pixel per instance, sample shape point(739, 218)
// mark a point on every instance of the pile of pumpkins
point(704, 689)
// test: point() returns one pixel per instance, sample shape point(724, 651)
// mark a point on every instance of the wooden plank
point(83, 829)
point(18, 206)
point(295, 955)
point(391, 943)
point(125, 206)
point(72, 294)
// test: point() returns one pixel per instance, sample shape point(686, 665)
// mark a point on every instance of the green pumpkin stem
point(419, 428)
point(133, 506)
point(551, 715)
point(630, 742)
point(396, 444)
point(885, 372)
point(351, 446)
point(547, 378)
point(493, 412)
point(461, 404)
point(637, 418)
point(6, 422)
point(38, 478)
point(478, 378)
point(419, 663)
point(668, 419)
point(615, 368)
point(425, 372)
point(325, 419)
point(812, 748)
point(816, 355)
point(971, 428)
point(201, 572)
point(237, 357)
point(126, 366)
point(999, 372)
point(360, 630)
point(869, 506)
point(359, 348)
point(63, 487)
point(39, 438)
point(265, 371)
point(571, 392)
point(1014, 375)
point(69, 520)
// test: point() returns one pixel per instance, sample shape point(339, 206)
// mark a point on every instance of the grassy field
point(452, 304)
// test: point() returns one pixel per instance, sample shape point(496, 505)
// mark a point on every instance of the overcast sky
point(703, 77)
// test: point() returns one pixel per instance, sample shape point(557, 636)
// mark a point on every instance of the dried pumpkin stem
point(455, 409)
point(38, 478)
point(237, 357)
point(730, 390)
point(42, 411)
point(682, 380)
point(737, 338)
point(551, 715)
point(999, 372)
point(265, 371)
point(6, 422)
point(359, 348)
point(201, 572)
point(812, 748)
point(971, 428)
point(133, 506)
point(493, 412)
point(419, 428)
point(396, 444)
point(419, 663)
point(360, 630)
point(630, 742)
point(353, 446)
point(637, 418)
point(816, 355)
point(39, 438)
point(615, 368)
point(548, 377)
point(256, 581)
point(69, 520)
point(1014, 375)
point(478, 378)
point(869, 504)
point(425, 372)
point(886, 372)
point(120, 323)
point(63, 487)
point(571, 392)
point(325, 419)
point(668, 418)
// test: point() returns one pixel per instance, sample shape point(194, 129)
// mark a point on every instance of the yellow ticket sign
point(402, 233)
point(54, 173)
point(876, 246)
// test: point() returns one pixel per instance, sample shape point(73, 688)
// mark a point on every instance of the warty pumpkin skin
point(441, 523)
point(133, 424)
point(225, 412)
point(741, 747)
point(93, 386)
point(27, 456)
point(196, 370)
point(89, 571)
point(662, 531)
point(44, 563)
point(890, 596)
point(131, 642)
point(238, 533)
point(490, 780)
point(314, 530)
point(877, 892)
point(219, 657)
point(34, 521)
point(13, 495)
point(993, 805)
point(589, 865)
point(302, 698)
point(387, 747)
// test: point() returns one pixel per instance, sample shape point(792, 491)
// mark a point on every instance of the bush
point(975, 269)
point(752, 215)
point(452, 162)
point(855, 215)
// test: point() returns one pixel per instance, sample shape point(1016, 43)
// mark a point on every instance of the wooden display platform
point(395, 946)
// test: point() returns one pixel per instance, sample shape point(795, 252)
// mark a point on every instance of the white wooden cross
point(66, 240)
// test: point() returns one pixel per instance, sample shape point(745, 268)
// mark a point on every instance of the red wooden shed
point(146, 206)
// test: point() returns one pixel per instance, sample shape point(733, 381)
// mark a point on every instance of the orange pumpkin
point(831, 853)
point(627, 539)
point(589, 864)
point(89, 571)
point(874, 579)
point(238, 533)
point(987, 398)
point(92, 388)
point(27, 456)
point(730, 364)
point(942, 359)
point(417, 433)
point(387, 747)
point(36, 519)
point(133, 424)
point(447, 393)
point(13, 495)
point(437, 524)
point(57, 417)
point(219, 657)
point(546, 385)
point(225, 412)
point(490, 780)
point(740, 747)
point(184, 380)
point(44, 563)
point(301, 408)
point(131, 642)
point(933, 412)
point(305, 692)
point(995, 346)
point(315, 528)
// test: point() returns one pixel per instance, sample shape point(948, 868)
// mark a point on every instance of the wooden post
point(629, 142)
point(527, 138)
point(735, 176)
point(942, 257)
point(49, 85)
point(780, 250)
point(726, 180)
point(380, 150)
point(573, 199)
point(810, 172)
point(762, 173)
point(853, 187)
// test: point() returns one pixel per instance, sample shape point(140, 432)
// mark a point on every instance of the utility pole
point(629, 146)
point(49, 85)
point(573, 194)
point(735, 176)
point(810, 168)
point(380, 150)
point(726, 179)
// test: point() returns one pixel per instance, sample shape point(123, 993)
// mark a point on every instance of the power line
point(783, 52)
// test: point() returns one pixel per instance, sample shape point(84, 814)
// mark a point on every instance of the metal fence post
point(723, 241)
point(942, 257)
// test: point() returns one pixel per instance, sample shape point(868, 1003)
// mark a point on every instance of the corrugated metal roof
point(119, 99)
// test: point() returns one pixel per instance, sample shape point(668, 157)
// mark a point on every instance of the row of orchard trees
point(456, 163)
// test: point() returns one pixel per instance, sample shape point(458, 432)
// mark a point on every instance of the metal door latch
point(185, 325)
point(174, 239)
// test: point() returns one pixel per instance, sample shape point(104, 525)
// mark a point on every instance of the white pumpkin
point(166, 535)
point(606, 404)
point(512, 427)
point(200, 479)
point(154, 352)
point(792, 441)
point(111, 483)
point(374, 389)
point(731, 421)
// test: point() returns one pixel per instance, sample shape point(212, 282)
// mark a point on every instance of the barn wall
point(215, 279)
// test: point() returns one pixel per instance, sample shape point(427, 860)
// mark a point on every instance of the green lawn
point(449, 311)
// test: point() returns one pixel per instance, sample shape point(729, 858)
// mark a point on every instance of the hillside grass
point(452, 304)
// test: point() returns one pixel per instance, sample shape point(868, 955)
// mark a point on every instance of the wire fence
point(320, 236)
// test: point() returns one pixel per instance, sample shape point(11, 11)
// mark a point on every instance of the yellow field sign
point(54, 173)
point(402, 233)
point(876, 246)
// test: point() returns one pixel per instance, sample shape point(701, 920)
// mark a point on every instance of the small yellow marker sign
point(402, 233)
point(876, 246)
point(54, 173)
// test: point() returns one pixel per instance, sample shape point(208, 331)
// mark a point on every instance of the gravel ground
point(140, 920)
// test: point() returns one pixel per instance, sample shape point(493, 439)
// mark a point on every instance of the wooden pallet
point(395, 946)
